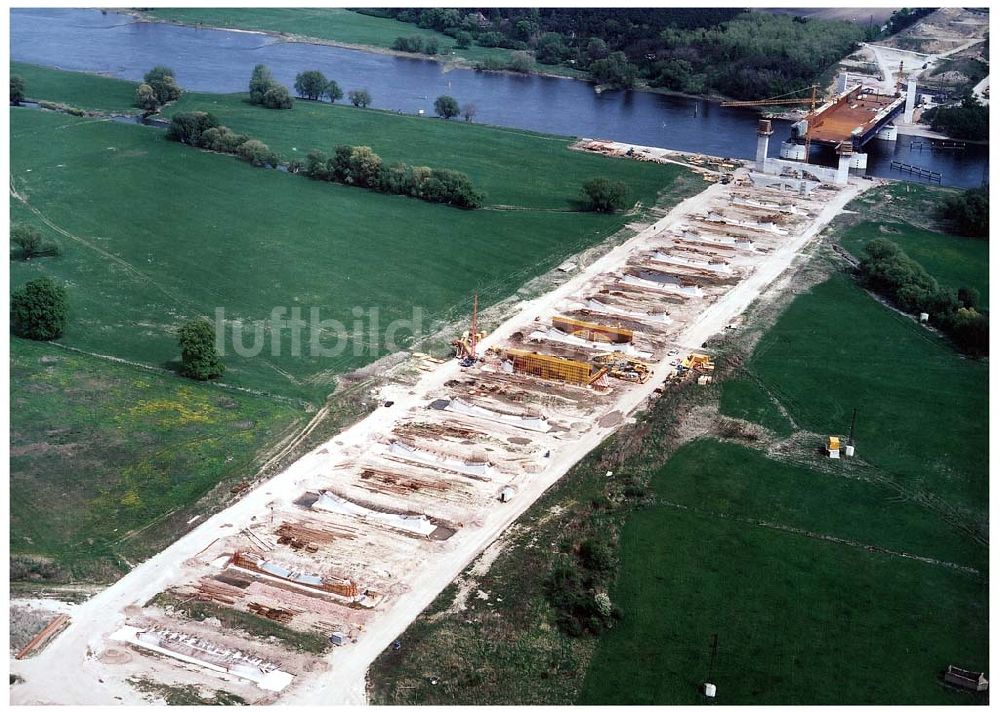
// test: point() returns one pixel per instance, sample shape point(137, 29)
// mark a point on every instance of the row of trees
point(265, 90)
point(201, 129)
point(360, 166)
point(886, 269)
point(447, 107)
point(158, 87)
point(313, 85)
point(417, 45)
point(735, 52)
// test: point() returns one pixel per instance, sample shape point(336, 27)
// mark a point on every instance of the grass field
point(335, 24)
point(99, 450)
point(177, 240)
point(921, 406)
point(954, 261)
point(510, 165)
point(76, 89)
point(153, 233)
point(800, 621)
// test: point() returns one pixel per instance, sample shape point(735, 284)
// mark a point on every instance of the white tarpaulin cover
point(416, 523)
point(527, 422)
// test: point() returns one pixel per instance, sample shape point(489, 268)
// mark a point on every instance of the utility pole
point(854, 418)
point(715, 652)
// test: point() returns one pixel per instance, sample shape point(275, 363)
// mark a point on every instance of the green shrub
point(39, 310)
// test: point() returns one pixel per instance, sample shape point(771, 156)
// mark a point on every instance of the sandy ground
point(77, 653)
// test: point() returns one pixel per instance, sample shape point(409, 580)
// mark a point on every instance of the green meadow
point(152, 233)
point(799, 620)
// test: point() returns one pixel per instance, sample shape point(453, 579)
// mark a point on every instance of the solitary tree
point(260, 82)
point(16, 90)
point(145, 98)
point(27, 238)
point(605, 196)
point(333, 91)
point(463, 39)
point(161, 80)
point(39, 309)
point(200, 359)
point(310, 84)
point(446, 107)
point(469, 111)
point(360, 97)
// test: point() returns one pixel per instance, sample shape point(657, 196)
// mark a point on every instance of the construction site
point(352, 541)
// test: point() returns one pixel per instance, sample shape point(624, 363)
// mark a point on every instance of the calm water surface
point(221, 61)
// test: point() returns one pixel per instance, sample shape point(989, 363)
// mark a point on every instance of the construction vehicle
point(624, 367)
point(698, 362)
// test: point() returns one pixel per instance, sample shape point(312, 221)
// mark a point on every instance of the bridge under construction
point(845, 123)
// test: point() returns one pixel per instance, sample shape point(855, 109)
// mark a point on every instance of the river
point(221, 61)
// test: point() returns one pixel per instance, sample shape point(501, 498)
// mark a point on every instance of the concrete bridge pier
point(793, 151)
point(911, 100)
point(889, 132)
point(764, 132)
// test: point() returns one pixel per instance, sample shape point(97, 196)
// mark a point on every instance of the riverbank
point(448, 62)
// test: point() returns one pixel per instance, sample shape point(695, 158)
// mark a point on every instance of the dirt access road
point(69, 671)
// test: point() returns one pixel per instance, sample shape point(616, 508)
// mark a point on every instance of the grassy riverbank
point(76, 89)
point(332, 24)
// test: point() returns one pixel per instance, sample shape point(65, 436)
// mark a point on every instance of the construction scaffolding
point(554, 368)
point(592, 331)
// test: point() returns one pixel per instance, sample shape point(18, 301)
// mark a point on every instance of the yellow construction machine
point(624, 367)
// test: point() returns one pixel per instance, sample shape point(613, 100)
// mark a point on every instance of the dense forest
point(729, 51)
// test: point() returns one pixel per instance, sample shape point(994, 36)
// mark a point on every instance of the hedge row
point(359, 165)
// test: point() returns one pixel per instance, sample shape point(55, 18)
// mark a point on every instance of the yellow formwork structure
point(554, 368)
point(592, 331)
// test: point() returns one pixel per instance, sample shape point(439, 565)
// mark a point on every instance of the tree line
point(968, 213)
point(739, 53)
point(887, 269)
point(970, 120)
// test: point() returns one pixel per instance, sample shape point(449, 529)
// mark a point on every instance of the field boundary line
point(874, 548)
point(167, 372)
